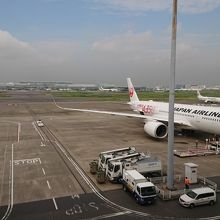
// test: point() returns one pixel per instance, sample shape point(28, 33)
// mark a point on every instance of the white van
point(198, 196)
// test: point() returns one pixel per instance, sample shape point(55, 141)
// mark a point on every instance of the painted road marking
point(75, 196)
point(43, 171)
point(48, 184)
point(19, 131)
point(38, 131)
point(11, 187)
point(55, 204)
point(27, 161)
point(42, 144)
point(112, 215)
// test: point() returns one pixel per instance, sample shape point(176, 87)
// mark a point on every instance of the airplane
point(108, 90)
point(155, 115)
point(207, 98)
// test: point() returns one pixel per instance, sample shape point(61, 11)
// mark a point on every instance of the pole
point(170, 170)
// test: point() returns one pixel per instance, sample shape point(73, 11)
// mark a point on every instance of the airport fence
point(207, 182)
point(179, 186)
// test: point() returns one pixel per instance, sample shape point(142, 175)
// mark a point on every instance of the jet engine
point(155, 129)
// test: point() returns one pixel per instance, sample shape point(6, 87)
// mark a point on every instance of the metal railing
point(179, 186)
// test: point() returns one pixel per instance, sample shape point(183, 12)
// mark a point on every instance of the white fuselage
point(209, 99)
point(203, 118)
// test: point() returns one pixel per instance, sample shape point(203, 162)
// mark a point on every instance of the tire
point(137, 199)
point(124, 188)
point(211, 202)
point(191, 205)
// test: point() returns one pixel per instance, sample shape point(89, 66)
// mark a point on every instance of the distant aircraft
point(207, 99)
point(108, 90)
point(155, 115)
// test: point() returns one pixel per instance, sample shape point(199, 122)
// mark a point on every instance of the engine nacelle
point(155, 129)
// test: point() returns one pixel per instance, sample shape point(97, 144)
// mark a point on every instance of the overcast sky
point(105, 41)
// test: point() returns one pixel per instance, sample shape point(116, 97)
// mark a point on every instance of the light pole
point(170, 170)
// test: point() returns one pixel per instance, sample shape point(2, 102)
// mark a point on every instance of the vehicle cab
point(145, 192)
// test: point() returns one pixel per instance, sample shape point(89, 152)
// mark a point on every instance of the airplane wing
point(146, 117)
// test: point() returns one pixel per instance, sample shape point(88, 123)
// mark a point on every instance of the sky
point(106, 41)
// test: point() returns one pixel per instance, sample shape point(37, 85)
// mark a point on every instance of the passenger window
point(210, 194)
point(199, 196)
point(204, 195)
point(138, 189)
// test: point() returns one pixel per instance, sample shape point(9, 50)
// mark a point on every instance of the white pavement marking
point(27, 161)
point(12, 174)
point(19, 131)
point(75, 196)
point(43, 171)
point(112, 215)
point(3, 170)
point(55, 204)
point(42, 144)
point(48, 184)
point(11, 190)
point(38, 131)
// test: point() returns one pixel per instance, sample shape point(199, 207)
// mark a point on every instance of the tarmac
point(38, 172)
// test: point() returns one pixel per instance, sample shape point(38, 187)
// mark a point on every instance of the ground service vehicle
point(102, 173)
point(143, 190)
point(144, 164)
point(40, 123)
point(198, 196)
point(106, 155)
point(115, 166)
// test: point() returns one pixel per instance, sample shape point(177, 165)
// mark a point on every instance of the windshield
point(148, 191)
point(110, 167)
point(191, 194)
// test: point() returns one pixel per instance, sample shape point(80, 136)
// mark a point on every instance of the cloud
point(49, 51)
point(111, 59)
point(141, 6)
point(10, 47)
point(127, 42)
point(135, 5)
point(57, 51)
point(199, 6)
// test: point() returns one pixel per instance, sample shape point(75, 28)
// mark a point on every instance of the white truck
point(101, 176)
point(144, 164)
point(107, 155)
point(143, 191)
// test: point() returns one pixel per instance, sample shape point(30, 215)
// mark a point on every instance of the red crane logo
point(131, 92)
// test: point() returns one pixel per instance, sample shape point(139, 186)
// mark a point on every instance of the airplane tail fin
point(132, 92)
point(198, 93)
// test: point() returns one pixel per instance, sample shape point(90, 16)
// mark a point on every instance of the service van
point(198, 196)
